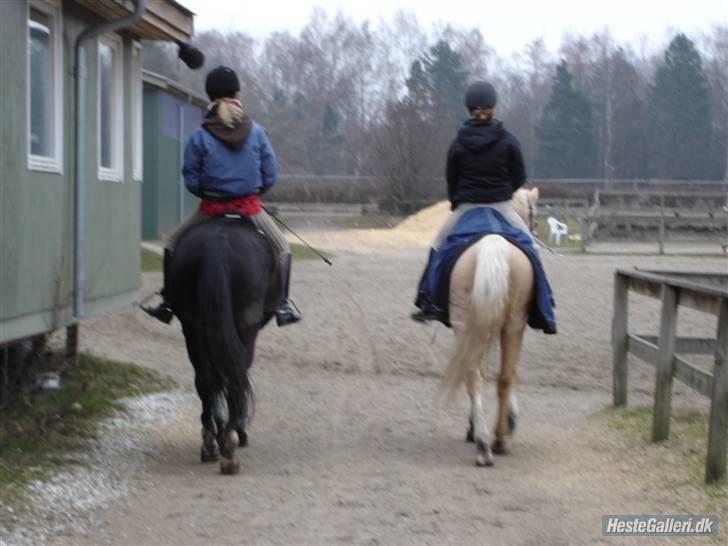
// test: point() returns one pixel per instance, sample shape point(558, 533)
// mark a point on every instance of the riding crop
point(324, 258)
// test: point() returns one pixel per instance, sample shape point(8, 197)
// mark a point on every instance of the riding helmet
point(221, 82)
point(480, 94)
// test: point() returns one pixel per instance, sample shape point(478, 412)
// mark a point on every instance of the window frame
point(54, 162)
point(137, 106)
point(114, 173)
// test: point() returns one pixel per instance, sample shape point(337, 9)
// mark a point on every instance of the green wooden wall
point(36, 255)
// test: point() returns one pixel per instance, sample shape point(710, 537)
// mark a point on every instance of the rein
point(530, 215)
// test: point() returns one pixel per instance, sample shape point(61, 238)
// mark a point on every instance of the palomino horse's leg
point(511, 342)
point(474, 385)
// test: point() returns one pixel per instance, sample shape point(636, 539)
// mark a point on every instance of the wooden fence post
point(715, 467)
point(72, 341)
point(584, 232)
point(665, 354)
point(619, 340)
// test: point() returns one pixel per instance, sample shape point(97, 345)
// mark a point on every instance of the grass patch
point(151, 261)
point(373, 220)
point(302, 252)
point(676, 465)
point(41, 430)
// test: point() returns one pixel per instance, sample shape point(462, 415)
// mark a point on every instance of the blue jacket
point(211, 166)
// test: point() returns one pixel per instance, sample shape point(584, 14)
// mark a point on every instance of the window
point(45, 87)
point(136, 108)
point(110, 109)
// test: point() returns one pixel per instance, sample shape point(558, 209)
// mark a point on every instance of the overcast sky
point(506, 24)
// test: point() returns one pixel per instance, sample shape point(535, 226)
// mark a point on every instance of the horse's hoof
point(208, 450)
point(209, 455)
point(229, 467)
point(512, 422)
point(499, 448)
point(482, 460)
point(484, 456)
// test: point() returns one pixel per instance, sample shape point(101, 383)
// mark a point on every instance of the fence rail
point(706, 292)
point(656, 211)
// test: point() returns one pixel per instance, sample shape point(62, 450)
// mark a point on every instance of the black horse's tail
point(228, 356)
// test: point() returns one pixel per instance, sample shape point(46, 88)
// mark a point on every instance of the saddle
point(434, 288)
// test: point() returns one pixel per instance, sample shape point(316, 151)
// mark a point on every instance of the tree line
point(342, 98)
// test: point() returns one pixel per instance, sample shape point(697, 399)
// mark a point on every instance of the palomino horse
point(224, 286)
point(491, 287)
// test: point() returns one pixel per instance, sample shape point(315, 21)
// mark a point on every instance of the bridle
point(531, 220)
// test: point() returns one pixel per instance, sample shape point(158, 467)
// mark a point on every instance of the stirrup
point(162, 312)
point(423, 316)
point(288, 313)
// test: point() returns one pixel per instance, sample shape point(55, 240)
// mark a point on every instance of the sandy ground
point(348, 444)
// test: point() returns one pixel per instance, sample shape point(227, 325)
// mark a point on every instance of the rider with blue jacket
point(228, 163)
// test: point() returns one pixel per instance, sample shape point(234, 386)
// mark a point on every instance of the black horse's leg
point(218, 412)
point(248, 336)
point(238, 405)
point(208, 451)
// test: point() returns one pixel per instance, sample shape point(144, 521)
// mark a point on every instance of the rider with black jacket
point(484, 168)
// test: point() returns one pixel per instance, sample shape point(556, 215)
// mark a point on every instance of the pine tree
point(680, 125)
point(566, 132)
point(447, 78)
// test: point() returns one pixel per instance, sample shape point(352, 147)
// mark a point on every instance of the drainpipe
point(181, 151)
point(79, 273)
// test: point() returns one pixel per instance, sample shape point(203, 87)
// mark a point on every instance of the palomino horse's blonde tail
point(486, 312)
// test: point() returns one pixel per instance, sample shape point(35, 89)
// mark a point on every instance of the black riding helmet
point(480, 94)
point(221, 82)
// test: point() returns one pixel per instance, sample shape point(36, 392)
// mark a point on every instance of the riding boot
point(162, 312)
point(427, 310)
point(287, 312)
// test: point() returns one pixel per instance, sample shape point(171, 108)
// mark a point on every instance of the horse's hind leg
point(474, 385)
point(208, 450)
point(511, 342)
point(230, 464)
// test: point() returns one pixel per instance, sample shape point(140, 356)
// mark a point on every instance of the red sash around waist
point(248, 205)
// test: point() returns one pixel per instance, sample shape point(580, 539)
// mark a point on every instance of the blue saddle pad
point(475, 224)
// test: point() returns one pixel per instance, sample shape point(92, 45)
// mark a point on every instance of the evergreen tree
point(566, 132)
point(447, 79)
point(680, 125)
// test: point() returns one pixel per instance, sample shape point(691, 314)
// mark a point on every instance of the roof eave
point(164, 20)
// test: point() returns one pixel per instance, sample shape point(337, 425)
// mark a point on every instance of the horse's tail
point(486, 312)
point(228, 356)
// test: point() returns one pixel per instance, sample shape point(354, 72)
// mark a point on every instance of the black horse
point(224, 286)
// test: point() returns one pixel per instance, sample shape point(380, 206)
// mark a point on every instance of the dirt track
point(348, 445)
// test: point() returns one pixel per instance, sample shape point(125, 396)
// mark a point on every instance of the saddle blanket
point(475, 224)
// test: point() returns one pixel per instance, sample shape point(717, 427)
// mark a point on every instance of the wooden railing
point(706, 292)
point(661, 212)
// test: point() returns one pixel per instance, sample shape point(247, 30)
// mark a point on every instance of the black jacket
point(484, 164)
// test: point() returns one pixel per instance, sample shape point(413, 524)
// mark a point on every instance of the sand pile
point(423, 225)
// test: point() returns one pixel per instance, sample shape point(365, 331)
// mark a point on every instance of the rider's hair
point(482, 113)
point(228, 112)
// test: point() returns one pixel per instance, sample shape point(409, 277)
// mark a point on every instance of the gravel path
point(348, 445)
